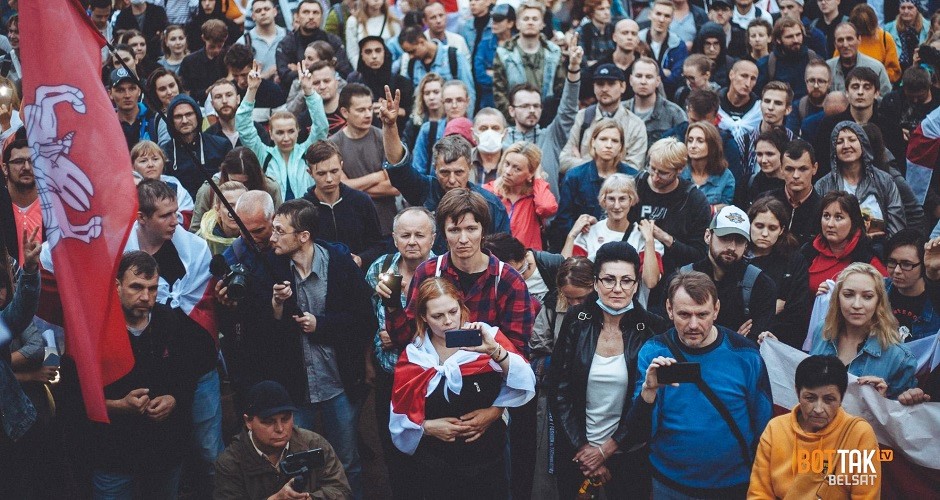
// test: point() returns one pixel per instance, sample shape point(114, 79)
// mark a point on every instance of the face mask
point(490, 141)
point(614, 312)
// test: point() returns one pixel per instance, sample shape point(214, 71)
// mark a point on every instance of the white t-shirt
point(869, 204)
point(587, 244)
point(608, 382)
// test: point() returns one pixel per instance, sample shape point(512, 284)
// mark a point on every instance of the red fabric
point(96, 336)
point(411, 381)
point(526, 216)
point(827, 265)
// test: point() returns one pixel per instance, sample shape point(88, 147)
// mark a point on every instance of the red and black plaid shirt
point(506, 305)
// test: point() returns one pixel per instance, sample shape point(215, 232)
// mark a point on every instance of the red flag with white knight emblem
point(83, 173)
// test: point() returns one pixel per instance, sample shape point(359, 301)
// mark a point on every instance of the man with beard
point(19, 202)
point(789, 55)
point(207, 150)
point(747, 295)
point(818, 79)
point(225, 100)
point(290, 52)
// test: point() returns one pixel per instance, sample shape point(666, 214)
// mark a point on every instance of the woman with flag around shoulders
point(436, 384)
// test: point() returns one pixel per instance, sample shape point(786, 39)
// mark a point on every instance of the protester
point(590, 377)
point(708, 169)
point(149, 160)
point(818, 418)
point(241, 165)
point(524, 193)
point(913, 294)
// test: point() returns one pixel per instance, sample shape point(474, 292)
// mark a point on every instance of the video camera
point(234, 277)
point(298, 464)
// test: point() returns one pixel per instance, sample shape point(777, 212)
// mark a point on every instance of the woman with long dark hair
point(374, 70)
point(774, 250)
point(239, 164)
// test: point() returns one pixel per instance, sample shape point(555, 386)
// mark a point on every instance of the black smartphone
point(678, 373)
point(463, 338)
point(300, 462)
point(393, 282)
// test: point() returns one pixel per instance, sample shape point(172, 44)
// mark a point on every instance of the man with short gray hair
point(451, 170)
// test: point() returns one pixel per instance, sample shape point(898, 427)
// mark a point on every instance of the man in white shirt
point(436, 20)
point(745, 11)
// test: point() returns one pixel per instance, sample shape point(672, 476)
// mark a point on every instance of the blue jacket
point(671, 58)
point(421, 160)
point(789, 69)
point(16, 411)
point(896, 364)
point(579, 191)
point(691, 446)
point(484, 52)
point(423, 189)
point(441, 66)
point(717, 188)
point(209, 149)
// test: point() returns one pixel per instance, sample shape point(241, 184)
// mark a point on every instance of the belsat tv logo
point(841, 467)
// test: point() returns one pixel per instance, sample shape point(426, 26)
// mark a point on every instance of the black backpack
point(746, 284)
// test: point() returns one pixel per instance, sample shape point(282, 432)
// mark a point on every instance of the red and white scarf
point(419, 372)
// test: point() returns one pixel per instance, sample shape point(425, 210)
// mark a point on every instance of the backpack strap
point(747, 286)
point(716, 402)
point(432, 138)
point(437, 267)
point(267, 161)
point(499, 274)
point(803, 107)
point(452, 61)
point(411, 69)
point(589, 113)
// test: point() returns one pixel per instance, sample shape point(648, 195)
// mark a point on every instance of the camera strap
point(716, 402)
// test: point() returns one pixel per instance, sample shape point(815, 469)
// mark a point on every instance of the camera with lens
point(297, 465)
point(234, 277)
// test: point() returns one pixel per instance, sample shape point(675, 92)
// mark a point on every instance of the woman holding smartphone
point(436, 383)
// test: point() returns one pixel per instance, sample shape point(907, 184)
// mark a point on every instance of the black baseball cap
point(719, 3)
point(120, 75)
point(268, 398)
point(609, 72)
point(502, 12)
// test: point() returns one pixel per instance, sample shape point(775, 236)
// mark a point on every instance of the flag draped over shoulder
point(83, 176)
point(923, 154)
point(911, 431)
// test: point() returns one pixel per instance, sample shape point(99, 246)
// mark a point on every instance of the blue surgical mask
point(614, 312)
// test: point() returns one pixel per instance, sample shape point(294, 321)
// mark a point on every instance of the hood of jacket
point(185, 99)
point(868, 158)
point(376, 79)
point(709, 30)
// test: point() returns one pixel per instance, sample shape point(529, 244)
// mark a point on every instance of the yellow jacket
point(785, 446)
point(881, 46)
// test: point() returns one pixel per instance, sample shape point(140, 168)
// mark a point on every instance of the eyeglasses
point(816, 82)
point(610, 282)
point(905, 266)
point(280, 232)
point(522, 269)
point(19, 162)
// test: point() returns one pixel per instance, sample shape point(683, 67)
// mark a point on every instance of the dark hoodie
point(208, 149)
point(377, 79)
point(194, 26)
point(352, 221)
point(724, 61)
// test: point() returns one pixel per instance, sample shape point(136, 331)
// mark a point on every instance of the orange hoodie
point(776, 474)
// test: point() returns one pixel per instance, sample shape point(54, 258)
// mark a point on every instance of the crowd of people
point(544, 239)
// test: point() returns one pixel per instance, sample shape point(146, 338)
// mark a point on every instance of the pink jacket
point(528, 213)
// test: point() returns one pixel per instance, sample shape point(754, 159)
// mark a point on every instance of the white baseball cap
point(731, 220)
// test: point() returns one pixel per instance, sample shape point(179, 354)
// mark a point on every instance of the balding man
point(243, 325)
point(833, 104)
point(739, 107)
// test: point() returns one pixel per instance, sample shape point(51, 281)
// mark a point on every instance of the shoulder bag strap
point(716, 402)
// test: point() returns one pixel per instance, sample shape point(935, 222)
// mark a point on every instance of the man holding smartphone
point(249, 467)
point(702, 430)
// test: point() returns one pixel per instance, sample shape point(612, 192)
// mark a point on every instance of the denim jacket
point(16, 411)
point(928, 322)
point(896, 364)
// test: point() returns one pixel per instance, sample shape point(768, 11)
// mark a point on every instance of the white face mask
point(490, 141)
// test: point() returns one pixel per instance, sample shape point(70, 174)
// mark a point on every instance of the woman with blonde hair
point(874, 41)
point(708, 168)
point(617, 197)
point(579, 189)
point(909, 30)
point(524, 192)
point(148, 161)
point(373, 18)
point(435, 383)
point(862, 332)
point(428, 107)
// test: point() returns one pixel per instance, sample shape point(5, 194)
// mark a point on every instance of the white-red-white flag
point(83, 171)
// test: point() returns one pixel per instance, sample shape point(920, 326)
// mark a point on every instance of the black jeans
point(522, 444)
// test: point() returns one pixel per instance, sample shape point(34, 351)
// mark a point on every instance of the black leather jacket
point(571, 364)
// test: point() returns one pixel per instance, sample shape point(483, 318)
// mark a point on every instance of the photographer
point(323, 327)
point(249, 467)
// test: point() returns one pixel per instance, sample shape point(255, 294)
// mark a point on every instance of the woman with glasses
point(455, 97)
point(915, 300)
point(593, 367)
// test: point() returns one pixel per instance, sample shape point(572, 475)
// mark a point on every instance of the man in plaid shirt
point(493, 291)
